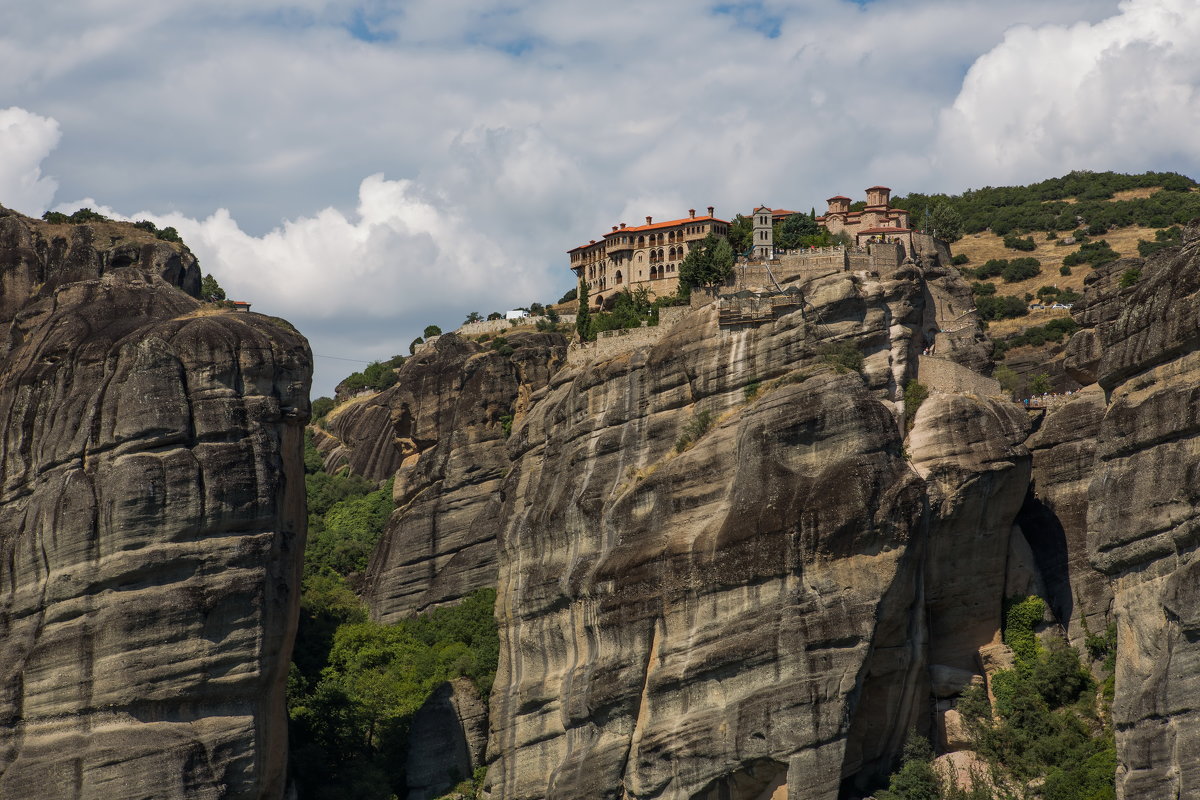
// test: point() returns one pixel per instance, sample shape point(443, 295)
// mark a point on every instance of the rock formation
point(151, 522)
point(745, 614)
point(1142, 345)
point(440, 432)
point(448, 739)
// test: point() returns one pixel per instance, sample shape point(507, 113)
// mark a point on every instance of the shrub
point(1095, 253)
point(983, 289)
point(1064, 270)
point(570, 295)
point(1021, 616)
point(959, 259)
point(1014, 242)
point(914, 395)
point(993, 307)
point(412, 346)
point(1020, 269)
point(495, 315)
point(431, 331)
point(1172, 237)
point(842, 355)
point(1130, 277)
point(321, 406)
point(693, 430)
point(1009, 380)
point(751, 389)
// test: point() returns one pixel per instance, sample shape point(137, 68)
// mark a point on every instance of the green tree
point(210, 290)
point(431, 331)
point(474, 316)
point(709, 263)
point(495, 315)
point(946, 223)
point(412, 346)
point(321, 406)
point(570, 295)
point(1009, 380)
point(583, 318)
point(741, 233)
point(794, 229)
point(1040, 383)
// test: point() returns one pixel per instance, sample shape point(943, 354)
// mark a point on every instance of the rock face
point(1143, 347)
point(151, 524)
point(970, 451)
point(732, 619)
point(449, 737)
point(440, 432)
point(1054, 517)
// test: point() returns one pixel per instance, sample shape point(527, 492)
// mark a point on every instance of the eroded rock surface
point(971, 452)
point(732, 618)
point(1143, 347)
point(441, 433)
point(151, 526)
point(448, 739)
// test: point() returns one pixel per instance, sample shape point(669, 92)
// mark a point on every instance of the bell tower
point(764, 242)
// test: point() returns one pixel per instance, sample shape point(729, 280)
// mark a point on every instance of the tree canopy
point(709, 263)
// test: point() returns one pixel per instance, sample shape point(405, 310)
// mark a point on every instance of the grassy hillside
point(1108, 215)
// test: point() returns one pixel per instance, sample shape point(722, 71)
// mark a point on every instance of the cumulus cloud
point(1120, 93)
point(25, 141)
point(510, 132)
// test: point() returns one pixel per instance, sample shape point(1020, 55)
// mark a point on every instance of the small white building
point(517, 313)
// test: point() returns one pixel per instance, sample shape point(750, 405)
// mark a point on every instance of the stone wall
point(610, 344)
point(501, 325)
point(940, 375)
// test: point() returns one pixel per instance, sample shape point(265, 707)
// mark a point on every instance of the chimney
point(648, 220)
point(710, 211)
point(591, 241)
point(692, 213)
point(622, 226)
point(614, 228)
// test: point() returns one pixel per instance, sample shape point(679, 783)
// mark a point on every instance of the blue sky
point(364, 169)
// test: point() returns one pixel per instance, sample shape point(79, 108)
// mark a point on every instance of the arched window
point(654, 273)
point(617, 278)
point(641, 241)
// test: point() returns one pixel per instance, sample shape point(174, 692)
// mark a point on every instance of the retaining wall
point(940, 375)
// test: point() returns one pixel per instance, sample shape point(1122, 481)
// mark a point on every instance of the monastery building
point(649, 255)
point(643, 255)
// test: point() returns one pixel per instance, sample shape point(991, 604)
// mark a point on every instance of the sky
point(364, 169)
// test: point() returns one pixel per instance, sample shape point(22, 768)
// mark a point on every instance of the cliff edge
point(152, 520)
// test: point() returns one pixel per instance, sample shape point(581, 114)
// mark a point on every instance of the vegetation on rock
point(1044, 206)
point(355, 684)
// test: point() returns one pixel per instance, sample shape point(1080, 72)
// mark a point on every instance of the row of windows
point(596, 252)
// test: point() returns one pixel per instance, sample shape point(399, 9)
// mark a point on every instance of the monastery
point(649, 255)
point(643, 255)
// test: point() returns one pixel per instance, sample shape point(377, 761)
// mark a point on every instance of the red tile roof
point(654, 226)
point(884, 188)
point(837, 197)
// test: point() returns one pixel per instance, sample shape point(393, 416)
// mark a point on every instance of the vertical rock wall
point(440, 432)
point(1143, 528)
point(151, 527)
point(727, 620)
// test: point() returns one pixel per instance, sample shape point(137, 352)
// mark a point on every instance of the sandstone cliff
point(151, 523)
point(690, 611)
point(440, 432)
point(1142, 345)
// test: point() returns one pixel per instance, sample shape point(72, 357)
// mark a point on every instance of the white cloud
point(1120, 93)
point(511, 131)
point(25, 141)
